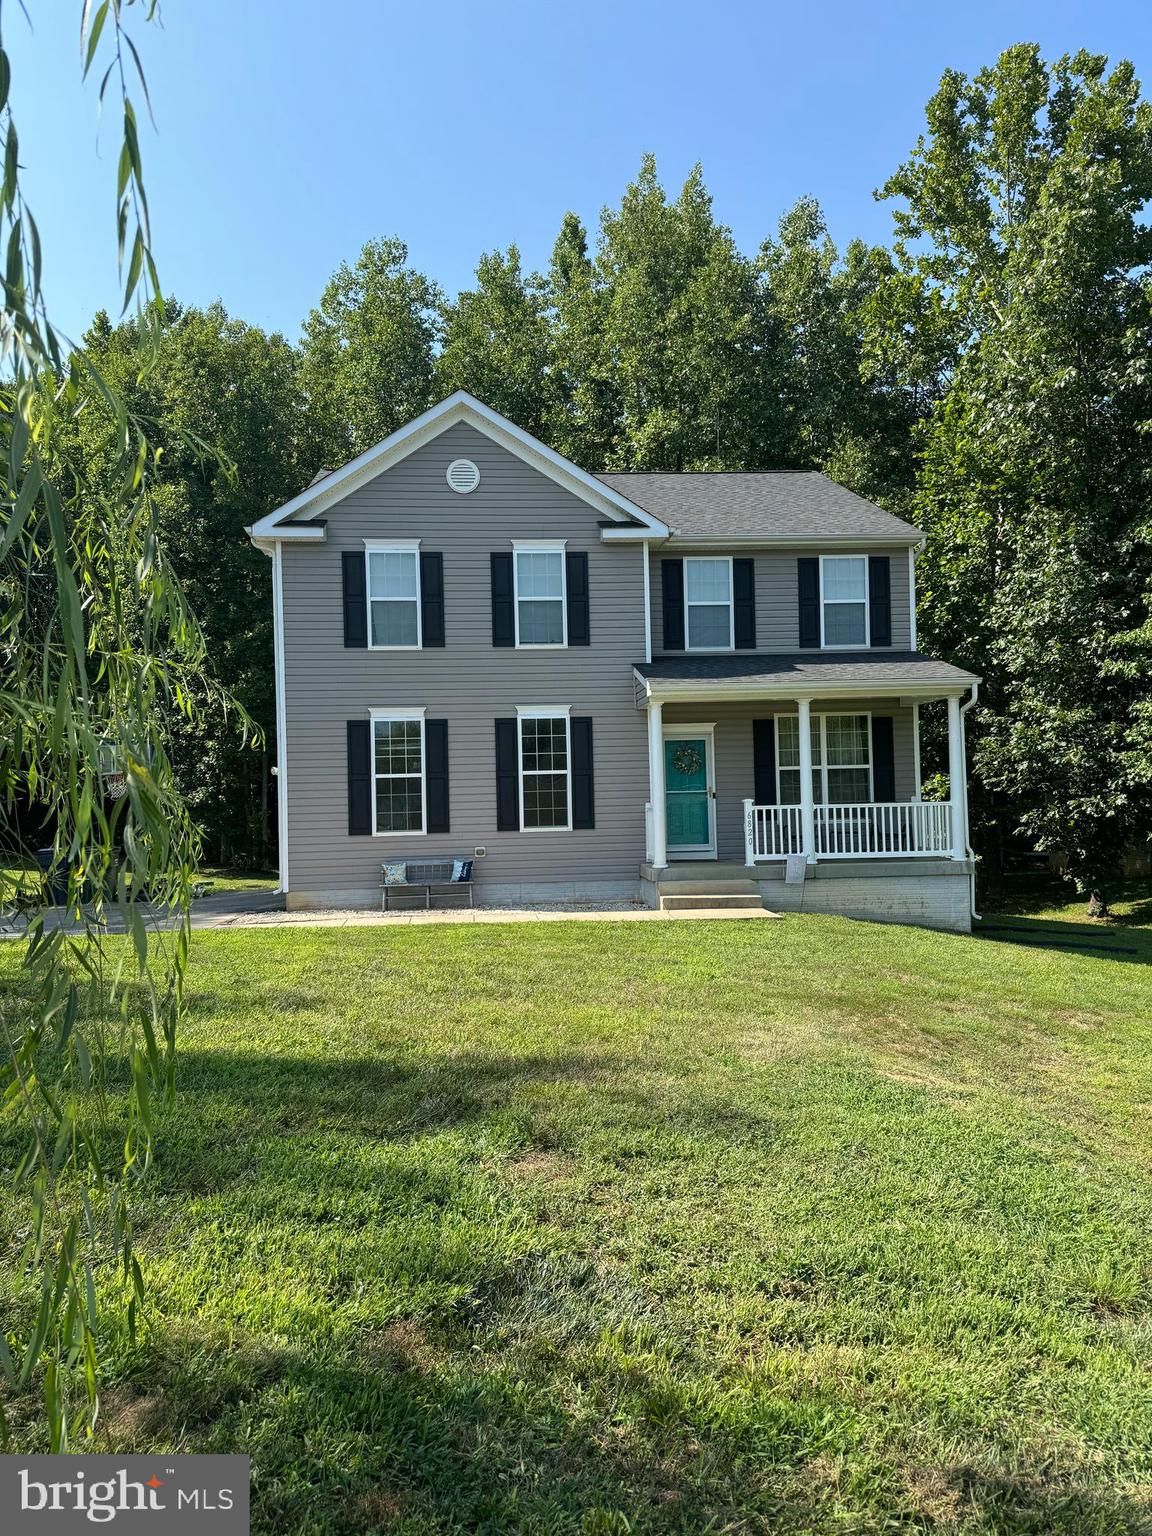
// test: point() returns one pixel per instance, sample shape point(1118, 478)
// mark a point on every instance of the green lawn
point(808, 1226)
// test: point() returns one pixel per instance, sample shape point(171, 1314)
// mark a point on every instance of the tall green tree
point(583, 400)
point(368, 354)
point(221, 382)
point(1023, 231)
point(838, 409)
point(496, 343)
point(659, 357)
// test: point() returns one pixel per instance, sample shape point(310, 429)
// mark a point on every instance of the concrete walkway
point(359, 919)
point(265, 909)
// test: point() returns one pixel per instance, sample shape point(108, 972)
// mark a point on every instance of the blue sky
point(288, 133)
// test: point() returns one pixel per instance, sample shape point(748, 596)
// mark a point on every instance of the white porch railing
point(900, 828)
point(777, 831)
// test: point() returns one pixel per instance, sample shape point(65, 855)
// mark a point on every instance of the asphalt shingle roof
point(821, 668)
point(786, 504)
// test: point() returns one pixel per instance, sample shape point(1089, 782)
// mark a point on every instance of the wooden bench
point(429, 877)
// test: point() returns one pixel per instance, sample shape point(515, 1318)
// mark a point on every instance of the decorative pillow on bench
point(395, 874)
point(461, 869)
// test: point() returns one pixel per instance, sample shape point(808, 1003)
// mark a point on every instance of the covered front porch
point(787, 765)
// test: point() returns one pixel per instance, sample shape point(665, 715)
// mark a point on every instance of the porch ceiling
point(808, 674)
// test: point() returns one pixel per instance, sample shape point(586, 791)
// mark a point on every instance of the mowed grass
point(808, 1226)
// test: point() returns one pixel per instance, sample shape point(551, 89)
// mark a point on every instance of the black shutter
point(883, 759)
point(432, 600)
point(672, 578)
point(808, 592)
point(359, 776)
point(576, 575)
point(436, 776)
point(880, 599)
point(764, 761)
point(744, 602)
point(583, 791)
point(507, 775)
point(355, 598)
point(503, 597)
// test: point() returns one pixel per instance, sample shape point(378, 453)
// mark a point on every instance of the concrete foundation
point(927, 893)
point(487, 893)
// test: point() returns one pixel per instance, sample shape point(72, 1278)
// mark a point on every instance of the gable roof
point(297, 518)
point(780, 506)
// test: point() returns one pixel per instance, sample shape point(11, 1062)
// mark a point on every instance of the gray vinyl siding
point(777, 602)
point(735, 779)
point(469, 683)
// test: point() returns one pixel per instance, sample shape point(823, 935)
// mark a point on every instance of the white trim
point(393, 547)
point(656, 786)
point(823, 716)
point(647, 603)
point(540, 547)
point(675, 730)
point(544, 712)
point(281, 716)
point(912, 553)
point(705, 650)
point(692, 690)
point(460, 406)
point(867, 642)
point(401, 713)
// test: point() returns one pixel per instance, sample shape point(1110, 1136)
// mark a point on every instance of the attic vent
point(463, 476)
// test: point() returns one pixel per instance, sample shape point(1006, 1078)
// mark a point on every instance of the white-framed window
point(393, 595)
point(398, 797)
point(708, 617)
point(844, 602)
point(541, 594)
point(545, 768)
point(841, 759)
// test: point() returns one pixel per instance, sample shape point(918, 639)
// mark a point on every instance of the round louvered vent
point(463, 476)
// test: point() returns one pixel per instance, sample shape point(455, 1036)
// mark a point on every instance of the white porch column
point(916, 770)
point(807, 815)
point(656, 785)
point(957, 782)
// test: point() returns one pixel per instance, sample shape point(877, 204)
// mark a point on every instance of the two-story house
point(605, 685)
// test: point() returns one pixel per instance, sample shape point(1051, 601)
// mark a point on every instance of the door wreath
point(687, 761)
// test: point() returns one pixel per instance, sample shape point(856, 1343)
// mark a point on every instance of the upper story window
point(540, 594)
point(708, 604)
point(843, 601)
point(394, 596)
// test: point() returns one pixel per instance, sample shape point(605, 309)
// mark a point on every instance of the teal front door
point(688, 794)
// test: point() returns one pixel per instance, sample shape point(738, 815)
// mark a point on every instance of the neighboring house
point(605, 685)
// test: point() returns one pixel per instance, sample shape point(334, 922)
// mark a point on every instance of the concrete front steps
point(700, 887)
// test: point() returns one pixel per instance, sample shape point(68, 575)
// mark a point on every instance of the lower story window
point(544, 777)
point(398, 773)
point(841, 759)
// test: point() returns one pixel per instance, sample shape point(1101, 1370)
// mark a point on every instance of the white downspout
point(647, 604)
point(281, 713)
point(969, 850)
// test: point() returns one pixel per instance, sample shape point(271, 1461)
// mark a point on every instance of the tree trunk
point(1098, 904)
